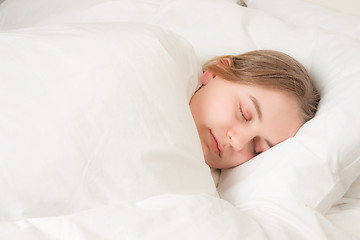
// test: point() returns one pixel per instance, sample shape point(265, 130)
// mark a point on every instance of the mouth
point(214, 144)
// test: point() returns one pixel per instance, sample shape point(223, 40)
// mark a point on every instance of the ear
point(228, 61)
point(207, 77)
point(225, 61)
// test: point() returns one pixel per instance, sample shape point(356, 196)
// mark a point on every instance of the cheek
point(220, 109)
point(218, 116)
point(213, 109)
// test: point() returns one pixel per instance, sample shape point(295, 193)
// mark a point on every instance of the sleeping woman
point(250, 102)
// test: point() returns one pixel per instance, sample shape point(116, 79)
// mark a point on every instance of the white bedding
point(97, 139)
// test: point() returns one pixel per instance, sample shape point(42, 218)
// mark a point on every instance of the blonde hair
point(270, 69)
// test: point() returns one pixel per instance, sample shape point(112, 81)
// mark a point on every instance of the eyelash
point(253, 141)
point(242, 113)
point(254, 150)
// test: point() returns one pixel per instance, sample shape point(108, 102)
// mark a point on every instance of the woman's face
point(236, 122)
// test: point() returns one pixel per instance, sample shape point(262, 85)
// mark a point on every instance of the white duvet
point(97, 139)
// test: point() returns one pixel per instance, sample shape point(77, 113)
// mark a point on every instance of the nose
point(240, 137)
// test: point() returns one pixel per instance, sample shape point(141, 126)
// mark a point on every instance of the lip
point(214, 144)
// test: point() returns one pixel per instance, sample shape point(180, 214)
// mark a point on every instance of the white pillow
point(206, 30)
point(305, 14)
point(24, 13)
point(94, 114)
point(186, 17)
point(318, 165)
point(344, 6)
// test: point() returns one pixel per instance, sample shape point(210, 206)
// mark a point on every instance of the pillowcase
point(95, 114)
point(166, 13)
point(305, 14)
point(347, 6)
point(205, 29)
point(319, 164)
point(23, 13)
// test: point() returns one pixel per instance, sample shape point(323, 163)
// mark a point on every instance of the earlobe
point(206, 77)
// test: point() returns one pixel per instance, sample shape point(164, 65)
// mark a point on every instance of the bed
point(97, 139)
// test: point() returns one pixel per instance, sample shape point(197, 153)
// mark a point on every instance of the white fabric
point(95, 114)
point(91, 148)
point(326, 147)
point(300, 12)
point(346, 212)
point(332, 60)
point(24, 13)
point(344, 6)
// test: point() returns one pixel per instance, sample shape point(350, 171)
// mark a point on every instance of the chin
point(212, 164)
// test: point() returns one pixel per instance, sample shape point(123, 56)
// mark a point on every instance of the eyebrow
point(257, 106)
point(260, 115)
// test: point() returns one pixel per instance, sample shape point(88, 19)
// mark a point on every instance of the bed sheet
point(79, 163)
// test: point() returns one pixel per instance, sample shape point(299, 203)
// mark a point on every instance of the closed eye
point(242, 113)
point(254, 148)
